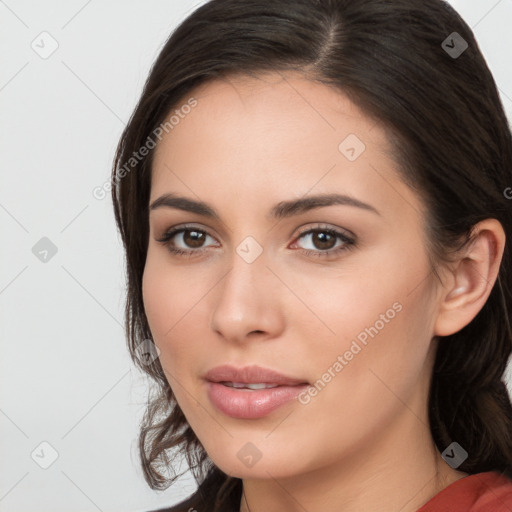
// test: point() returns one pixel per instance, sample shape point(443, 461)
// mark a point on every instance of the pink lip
point(250, 404)
point(250, 374)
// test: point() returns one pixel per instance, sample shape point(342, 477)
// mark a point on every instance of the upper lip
point(250, 375)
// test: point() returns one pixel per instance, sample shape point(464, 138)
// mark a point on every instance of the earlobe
point(473, 276)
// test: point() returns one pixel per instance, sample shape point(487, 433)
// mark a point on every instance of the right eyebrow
point(185, 204)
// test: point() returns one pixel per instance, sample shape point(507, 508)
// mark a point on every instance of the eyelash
point(348, 243)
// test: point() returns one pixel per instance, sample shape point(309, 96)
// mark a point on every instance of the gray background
point(65, 376)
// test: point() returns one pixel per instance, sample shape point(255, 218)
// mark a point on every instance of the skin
point(363, 442)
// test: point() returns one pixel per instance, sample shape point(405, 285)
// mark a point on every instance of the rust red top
point(481, 492)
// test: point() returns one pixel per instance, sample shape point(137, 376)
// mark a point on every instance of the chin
point(247, 460)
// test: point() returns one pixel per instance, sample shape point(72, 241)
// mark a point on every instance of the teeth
point(240, 385)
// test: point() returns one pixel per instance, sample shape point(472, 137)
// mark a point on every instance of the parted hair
point(400, 62)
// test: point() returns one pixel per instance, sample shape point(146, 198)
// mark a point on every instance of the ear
point(471, 278)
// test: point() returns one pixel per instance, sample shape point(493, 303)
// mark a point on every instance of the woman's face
point(305, 255)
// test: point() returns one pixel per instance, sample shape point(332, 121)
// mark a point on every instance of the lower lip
point(248, 403)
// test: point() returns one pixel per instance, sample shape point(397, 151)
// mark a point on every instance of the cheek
point(157, 291)
point(362, 386)
point(378, 357)
point(366, 289)
point(165, 299)
point(374, 321)
point(175, 306)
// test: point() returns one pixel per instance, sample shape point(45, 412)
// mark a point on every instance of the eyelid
point(347, 238)
point(179, 228)
point(327, 227)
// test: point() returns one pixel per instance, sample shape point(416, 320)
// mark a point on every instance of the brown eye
point(324, 242)
point(186, 240)
point(193, 238)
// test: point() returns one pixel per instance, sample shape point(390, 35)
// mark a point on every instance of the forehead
point(287, 102)
point(271, 134)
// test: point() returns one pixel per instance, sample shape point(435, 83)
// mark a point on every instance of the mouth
point(250, 392)
point(250, 377)
point(249, 385)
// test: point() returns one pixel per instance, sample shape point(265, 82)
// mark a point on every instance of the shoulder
point(481, 492)
point(496, 493)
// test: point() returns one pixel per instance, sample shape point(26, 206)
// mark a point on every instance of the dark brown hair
point(452, 144)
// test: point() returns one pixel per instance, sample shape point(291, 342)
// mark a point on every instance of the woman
point(312, 197)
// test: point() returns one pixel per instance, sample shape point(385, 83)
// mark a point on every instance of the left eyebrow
point(279, 211)
point(296, 206)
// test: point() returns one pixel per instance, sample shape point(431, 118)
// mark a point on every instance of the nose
point(247, 302)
